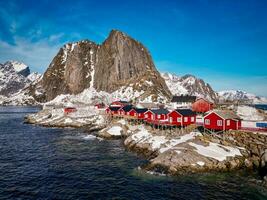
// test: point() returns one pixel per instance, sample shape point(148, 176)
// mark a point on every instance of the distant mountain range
point(119, 68)
point(189, 85)
point(15, 77)
point(240, 96)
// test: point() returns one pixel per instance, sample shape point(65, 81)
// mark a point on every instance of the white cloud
point(37, 54)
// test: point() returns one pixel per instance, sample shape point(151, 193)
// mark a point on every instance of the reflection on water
point(51, 163)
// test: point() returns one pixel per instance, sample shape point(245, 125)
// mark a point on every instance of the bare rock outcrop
point(118, 63)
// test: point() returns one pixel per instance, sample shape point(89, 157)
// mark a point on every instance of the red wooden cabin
point(202, 105)
point(156, 114)
point(138, 113)
point(68, 110)
point(112, 110)
point(222, 120)
point(182, 117)
point(125, 110)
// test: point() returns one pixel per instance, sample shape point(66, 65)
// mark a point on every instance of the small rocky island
point(178, 152)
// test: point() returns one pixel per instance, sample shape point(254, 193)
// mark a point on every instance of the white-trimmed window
point(228, 122)
point(146, 115)
point(207, 121)
point(170, 119)
point(179, 119)
point(158, 116)
point(152, 116)
point(185, 119)
point(219, 122)
point(192, 119)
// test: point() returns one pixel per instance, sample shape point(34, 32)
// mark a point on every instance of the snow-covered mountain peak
point(19, 67)
point(189, 85)
point(239, 95)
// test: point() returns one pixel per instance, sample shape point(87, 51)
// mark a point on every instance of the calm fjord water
point(51, 163)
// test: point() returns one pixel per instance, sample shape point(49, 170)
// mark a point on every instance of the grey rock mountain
point(189, 85)
point(12, 78)
point(119, 62)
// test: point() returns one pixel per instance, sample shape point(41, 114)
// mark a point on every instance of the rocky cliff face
point(11, 78)
point(190, 85)
point(119, 64)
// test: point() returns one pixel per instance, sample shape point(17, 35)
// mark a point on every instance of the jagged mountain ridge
point(13, 77)
point(189, 85)
point(240, 96)
point(120, 63)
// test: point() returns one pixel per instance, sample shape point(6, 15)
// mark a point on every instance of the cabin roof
point(201, 98)
point(140, 110)
point(127, 108)
point(186, 112)
point(160, 111)
point(183, 98)
point(225, 114)
point(114, 108)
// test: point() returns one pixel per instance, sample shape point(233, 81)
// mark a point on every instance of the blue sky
point(223, 42)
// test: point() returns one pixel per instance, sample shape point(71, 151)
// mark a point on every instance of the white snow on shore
point(161, 143)
point(115, 130)
point(249, 113)
point(173, 142)
point(216, 151)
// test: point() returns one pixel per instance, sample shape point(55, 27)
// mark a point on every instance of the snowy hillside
point(238, 95)
point(19, 67)
point(190, 85)
point(14, 77)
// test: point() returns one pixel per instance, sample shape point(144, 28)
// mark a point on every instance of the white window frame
point(158, 116)
point(219, 122)
point(146, 115)
point(185, 119)
point(179, 119)
point(207, 121)
point(171, 119)
point(228, 122)
point(192, 119)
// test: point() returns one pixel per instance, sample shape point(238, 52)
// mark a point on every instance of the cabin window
point(185, 119)
point(171, 119)
point(192, 119)
point(179, 119)
point(158, 116)
point(219, 122)
point(146, 115)
point(139, 115)
point(207, 121)
point(134, 114)
point(228, 122)
point(152, 117)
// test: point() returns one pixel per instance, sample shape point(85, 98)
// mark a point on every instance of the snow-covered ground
point(249, 113)
point(216, 151)
point(56, 117)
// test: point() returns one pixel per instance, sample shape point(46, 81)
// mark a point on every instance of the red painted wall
point(133, 113)
point(175, 117)
point(202, 106)
point(149, 115)
point(213, 122)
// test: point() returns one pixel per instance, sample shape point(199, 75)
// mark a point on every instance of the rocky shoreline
point(180, 152)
